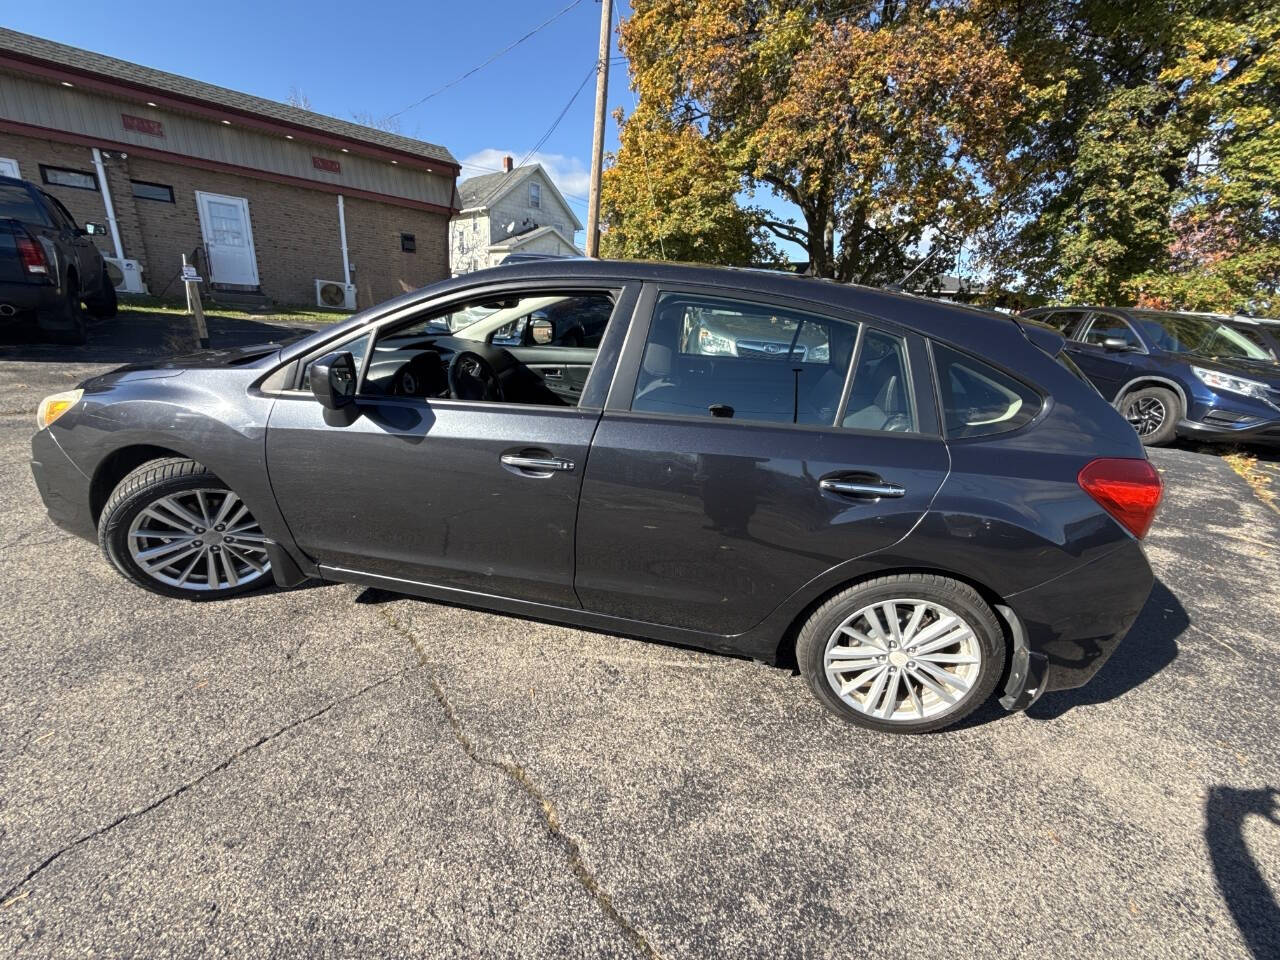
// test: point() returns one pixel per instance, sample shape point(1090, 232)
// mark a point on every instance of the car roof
point(1151, 312)
point(965, 326)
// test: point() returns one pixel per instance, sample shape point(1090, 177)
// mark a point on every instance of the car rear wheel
point(1154, 413)
point(173, 527)
point(908, 653)
point(71, 328)
point(105, 304)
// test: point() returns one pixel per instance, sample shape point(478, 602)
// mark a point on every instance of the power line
point(550, 130)
point(505, 50)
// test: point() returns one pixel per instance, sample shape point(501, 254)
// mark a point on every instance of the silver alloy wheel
point(199, 540)
point(1146, 414)
point(903, 660)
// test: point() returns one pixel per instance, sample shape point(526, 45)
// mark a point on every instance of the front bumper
point(1252, 431)
point(63, 488)
point(1076, 621)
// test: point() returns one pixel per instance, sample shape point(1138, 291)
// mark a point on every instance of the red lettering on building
point(152, 128)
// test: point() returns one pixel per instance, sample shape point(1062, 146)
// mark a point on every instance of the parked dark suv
point(48, 264)
point(1175, 374)
point(932, 508)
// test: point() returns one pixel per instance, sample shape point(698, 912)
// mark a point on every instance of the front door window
point(536, 348)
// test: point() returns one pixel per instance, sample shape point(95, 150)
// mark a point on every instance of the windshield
point(1205, 336)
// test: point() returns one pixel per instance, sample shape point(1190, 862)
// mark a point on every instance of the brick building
point(262, 196)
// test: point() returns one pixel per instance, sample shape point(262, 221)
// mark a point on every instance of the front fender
point(211, 416)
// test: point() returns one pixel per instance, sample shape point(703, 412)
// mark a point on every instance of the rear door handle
point(537, 464)
point(863, 489)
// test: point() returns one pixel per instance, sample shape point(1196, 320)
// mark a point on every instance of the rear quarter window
point(17, 204)
point(977, 399)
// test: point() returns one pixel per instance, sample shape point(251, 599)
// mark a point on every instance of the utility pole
point(597, 141)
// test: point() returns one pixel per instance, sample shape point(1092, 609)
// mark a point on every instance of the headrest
point(888, 399)
point(657, 360)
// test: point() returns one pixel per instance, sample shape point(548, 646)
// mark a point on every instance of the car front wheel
point(173, 527)
point(908, 653)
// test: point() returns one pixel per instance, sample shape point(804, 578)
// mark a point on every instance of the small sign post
point(191, 281)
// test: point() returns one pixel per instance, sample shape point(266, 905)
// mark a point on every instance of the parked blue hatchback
point(1174, 374)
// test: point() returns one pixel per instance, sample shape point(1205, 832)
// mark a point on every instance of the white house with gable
point(518, 210)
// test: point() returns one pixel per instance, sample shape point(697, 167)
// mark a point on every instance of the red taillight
point(32, 255)
point(1129, 490)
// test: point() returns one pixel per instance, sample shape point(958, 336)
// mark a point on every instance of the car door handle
point(870, 490)
point(541, 464)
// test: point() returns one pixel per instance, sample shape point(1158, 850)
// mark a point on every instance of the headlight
point(55, 405)
point(1232, 384)
point(713, 344)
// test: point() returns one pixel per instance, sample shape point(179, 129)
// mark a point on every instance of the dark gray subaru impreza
point(926, 505)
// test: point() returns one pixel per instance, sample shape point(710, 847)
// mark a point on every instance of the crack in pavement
point(520, 777)
point(11, 894)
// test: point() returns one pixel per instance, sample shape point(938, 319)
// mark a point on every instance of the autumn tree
point(682, 205)
point(882, 121)
point(1146, 164)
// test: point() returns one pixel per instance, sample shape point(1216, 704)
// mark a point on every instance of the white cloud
point(569, 174)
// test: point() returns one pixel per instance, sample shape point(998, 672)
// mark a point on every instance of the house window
point(64, 177)
point(535, 195)
point(408, 243)
point(152, 191)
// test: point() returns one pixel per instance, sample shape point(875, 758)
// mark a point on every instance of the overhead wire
point(550, 130)
point(503, 52)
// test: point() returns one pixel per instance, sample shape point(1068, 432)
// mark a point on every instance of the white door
point(228, 240)
point(9, 168)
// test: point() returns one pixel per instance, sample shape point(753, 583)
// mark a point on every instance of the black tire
point(140, 490)
point(958, 598)
point(104, 305)
point(72, 329)
point(1143, 407)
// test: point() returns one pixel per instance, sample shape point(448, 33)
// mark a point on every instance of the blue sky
point(378, 57)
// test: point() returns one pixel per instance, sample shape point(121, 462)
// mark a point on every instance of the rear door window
point(979, 400)
point(880, 396)
point(713, 357)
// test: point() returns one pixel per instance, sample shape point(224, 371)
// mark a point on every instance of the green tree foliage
point(1146, 165)
point(1096, 150)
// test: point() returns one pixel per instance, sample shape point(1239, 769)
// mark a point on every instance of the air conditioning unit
point(335, 294)
point(126, 275)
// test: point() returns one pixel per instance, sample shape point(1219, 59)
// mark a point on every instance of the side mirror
point(541, 330)
point(333, 380)
point(1116, 344)
point(95, 229)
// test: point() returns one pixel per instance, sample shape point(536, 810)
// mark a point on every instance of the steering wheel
point(472, 377)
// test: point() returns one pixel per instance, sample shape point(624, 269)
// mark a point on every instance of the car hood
point(1267, 372)
point(197, 360)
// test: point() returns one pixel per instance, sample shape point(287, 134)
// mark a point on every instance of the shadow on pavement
point(132, 337)
point(1150, 646)
point(1240, 879)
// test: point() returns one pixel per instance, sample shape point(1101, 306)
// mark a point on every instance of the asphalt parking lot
point(335, 771)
